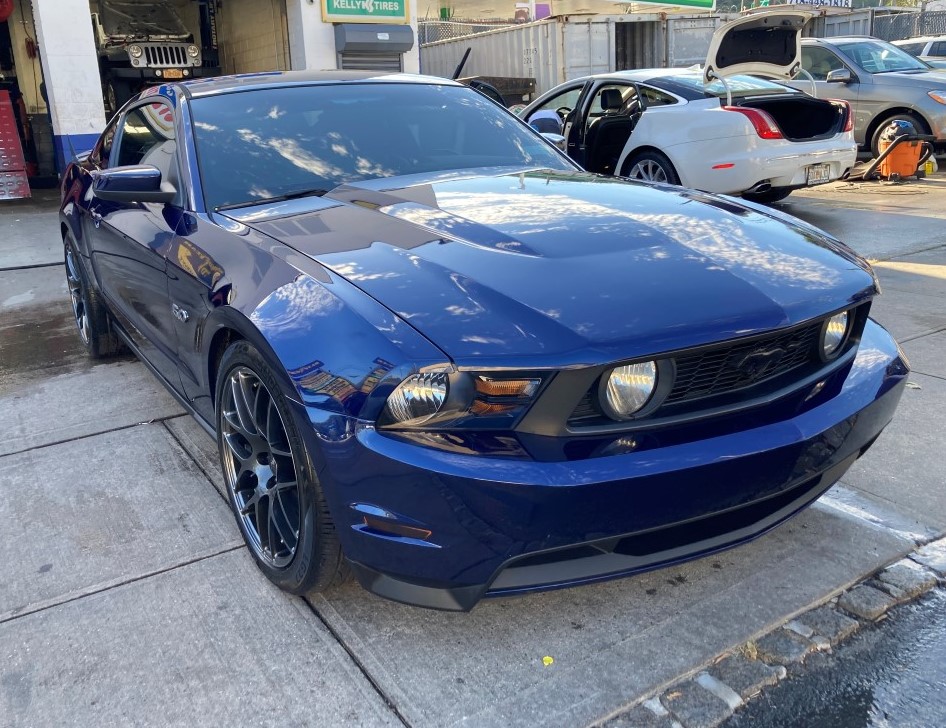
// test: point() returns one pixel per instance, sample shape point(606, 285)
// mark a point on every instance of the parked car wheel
point(88, 310)
point(272, 486)
point(652, 166)
point(768, 196)
point(884, 123)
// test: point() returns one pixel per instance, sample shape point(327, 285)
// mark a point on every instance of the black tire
point(884, 123)
point(89, 312)
point(767, 197)
point(651, 166)
point(116, 94)
point(271, 479)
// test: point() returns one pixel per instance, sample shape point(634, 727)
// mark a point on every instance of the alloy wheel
point(76, 294)
point(648, 169)
point(259, 469)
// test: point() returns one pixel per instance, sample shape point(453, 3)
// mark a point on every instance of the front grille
point(726, 369)
point(166, 55)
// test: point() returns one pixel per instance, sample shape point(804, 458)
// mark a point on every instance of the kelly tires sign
point(365, 11)
point(699, 4)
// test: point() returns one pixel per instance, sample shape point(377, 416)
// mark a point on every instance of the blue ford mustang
point(437, 354)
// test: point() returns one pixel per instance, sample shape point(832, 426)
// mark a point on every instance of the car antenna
point(461, 64)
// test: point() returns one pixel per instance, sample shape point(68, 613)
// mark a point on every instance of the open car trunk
point(800, 118)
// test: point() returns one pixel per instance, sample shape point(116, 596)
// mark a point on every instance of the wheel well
point(890, 113)
point(626, 167)
point(218, 345)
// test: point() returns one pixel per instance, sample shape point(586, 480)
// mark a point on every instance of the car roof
point(215, 85)
point(642, 74)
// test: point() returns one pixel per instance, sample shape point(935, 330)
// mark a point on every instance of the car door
point(562, 105)
point(606, 102)
point(129, 240)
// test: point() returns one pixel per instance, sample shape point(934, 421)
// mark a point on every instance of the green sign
point(701, 4)
point(365, 11)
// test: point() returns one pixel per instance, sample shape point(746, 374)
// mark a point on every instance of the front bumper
point(505, 526)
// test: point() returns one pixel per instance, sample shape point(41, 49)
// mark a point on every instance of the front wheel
point(911, 118)
point(271, 482)
point(768, 196)
point(652, 166)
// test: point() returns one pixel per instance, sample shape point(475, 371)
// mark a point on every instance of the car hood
point(764, 44)
point(929, 80)
point(556, 269)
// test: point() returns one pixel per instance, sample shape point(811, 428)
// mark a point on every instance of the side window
point(547, 118)
point(653, 97)
point(938, 49)
point(103, 149)
point(819, 62)
point(147, 135)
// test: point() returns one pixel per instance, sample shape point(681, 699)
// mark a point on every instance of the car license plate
point(818, 174)
point(177, 73)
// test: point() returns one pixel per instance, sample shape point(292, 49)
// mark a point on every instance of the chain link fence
point(900, 26)
point(430, 31)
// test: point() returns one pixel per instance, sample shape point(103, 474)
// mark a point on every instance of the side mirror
point(839, 75)
point(139, 183)
point(557, 139)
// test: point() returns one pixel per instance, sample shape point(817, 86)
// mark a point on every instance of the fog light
point(628, 388)
point(833, 334)
point(158, 73)
point(418, 398)
point(186, 72)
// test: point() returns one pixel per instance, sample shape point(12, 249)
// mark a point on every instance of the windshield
point(876, 56)
point(739, 86)
point(140, 19)
point(257, 145)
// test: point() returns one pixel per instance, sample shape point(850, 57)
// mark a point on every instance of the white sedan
point(720, 129)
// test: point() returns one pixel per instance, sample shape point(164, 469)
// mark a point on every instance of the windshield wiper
point(276, 198)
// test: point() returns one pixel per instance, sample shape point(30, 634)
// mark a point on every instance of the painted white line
point(853, 505)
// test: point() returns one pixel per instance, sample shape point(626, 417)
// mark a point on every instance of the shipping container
point(558, 49)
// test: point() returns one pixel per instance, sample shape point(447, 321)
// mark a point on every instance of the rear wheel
point(768, 196)
point(271, 481)
point(912, 118)
point(652, 166)
point(88, 310)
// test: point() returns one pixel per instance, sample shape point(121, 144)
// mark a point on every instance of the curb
point(708, 698)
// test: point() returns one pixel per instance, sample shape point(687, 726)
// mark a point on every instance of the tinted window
point(914, 49)
point(653, 97)
point(103, 149)
point(147, 135)
point(938, 49)
point(876, 56)
point(266, 143)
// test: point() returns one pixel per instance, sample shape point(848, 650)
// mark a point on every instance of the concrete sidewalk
point(128, 598)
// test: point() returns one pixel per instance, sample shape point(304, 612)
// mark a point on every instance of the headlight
point(418, 398)
point(193, 51)
point(938, 96)
point(833, 334)
point(626, 389)
point(135, 51)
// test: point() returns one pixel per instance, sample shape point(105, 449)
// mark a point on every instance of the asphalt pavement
point(128, 597)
